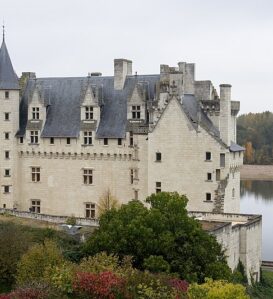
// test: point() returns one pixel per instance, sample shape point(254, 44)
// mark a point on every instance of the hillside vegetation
point(255, 133)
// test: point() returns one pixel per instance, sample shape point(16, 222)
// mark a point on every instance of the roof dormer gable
point(36, 98)
point(90, 97)
point(138, 95)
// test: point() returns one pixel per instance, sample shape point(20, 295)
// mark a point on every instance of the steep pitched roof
point(63, 97)
point(8, 78)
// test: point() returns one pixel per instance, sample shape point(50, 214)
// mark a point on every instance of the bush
point(217, 289)
point(102, 286)
point(34, 263)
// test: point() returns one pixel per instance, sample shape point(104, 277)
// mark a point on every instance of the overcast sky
point(230, 41)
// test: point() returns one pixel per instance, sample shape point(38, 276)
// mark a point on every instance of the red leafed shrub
point(179, 285)
point(105, 285)
point(3, 296)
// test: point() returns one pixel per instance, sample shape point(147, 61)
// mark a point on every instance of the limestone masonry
point(66, 142)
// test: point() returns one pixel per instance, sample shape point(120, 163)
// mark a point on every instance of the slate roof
point(8, 78)
point(193, 110)
point(236, 147)
point(63, 98)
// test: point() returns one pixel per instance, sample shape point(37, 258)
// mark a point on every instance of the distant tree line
point(255, 133)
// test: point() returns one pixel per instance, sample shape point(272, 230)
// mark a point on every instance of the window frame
point(35, 112)
point(90, 210)
point(6, 189)
point(208, 156)
point(35, 206)
point(158, 157)
point(7, 135)
point(7, 155)
point(89, 113)
point(7, 172)
point(136, 112)
point(158, 187)
point(51, 140)
point(35, 174)
point(208, 196)
point(88, 176)
point(34, 137)
point(105, 141)
point(7, 95)
point(7, 116)
point(209, 176)
point(88, 138)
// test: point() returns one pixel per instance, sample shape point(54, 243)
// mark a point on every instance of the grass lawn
point(264, 289)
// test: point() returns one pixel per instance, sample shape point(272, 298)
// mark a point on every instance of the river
point(257, 198)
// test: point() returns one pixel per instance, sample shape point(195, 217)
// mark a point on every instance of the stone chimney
point(122, 68)
point(189, 78)
point(225, 113)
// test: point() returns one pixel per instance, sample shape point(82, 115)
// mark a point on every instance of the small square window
point(7, 155)
point(6, 135)
point(51, 141)
point(6, 189)
point(35, 206)
point(157, 187)
point(208, 196)
point(6, 94)
point(158, 157)
point(68, 141)
point(119, 141)
point(208, 156)
point(209, 176)
point(7, 115)
point(105, 141)
point(7, 172)
point(21, 139)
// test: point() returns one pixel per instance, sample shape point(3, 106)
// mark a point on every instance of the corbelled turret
point(8, 78)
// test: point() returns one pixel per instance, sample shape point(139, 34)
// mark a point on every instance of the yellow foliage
point(218, 289)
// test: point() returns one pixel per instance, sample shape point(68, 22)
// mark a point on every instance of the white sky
point(230, 41)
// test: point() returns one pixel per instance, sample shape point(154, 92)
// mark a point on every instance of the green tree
point(163, 230)
point(14, 242)
point(35, 263)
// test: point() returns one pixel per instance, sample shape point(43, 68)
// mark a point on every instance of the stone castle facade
point(66, 142)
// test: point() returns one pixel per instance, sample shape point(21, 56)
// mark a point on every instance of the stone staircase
point(220, 195)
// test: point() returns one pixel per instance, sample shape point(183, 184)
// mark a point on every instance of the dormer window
point(135, 112)
point(89, 115)
point(35, 113)
point(6, 94)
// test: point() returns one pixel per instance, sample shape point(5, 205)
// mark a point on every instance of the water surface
point(257, 198)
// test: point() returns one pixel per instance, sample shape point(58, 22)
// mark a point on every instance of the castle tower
point(9, 124)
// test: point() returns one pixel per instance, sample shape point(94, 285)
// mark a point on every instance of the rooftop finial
point(3, 30)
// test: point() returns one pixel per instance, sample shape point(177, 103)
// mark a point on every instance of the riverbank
point(257, 172)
